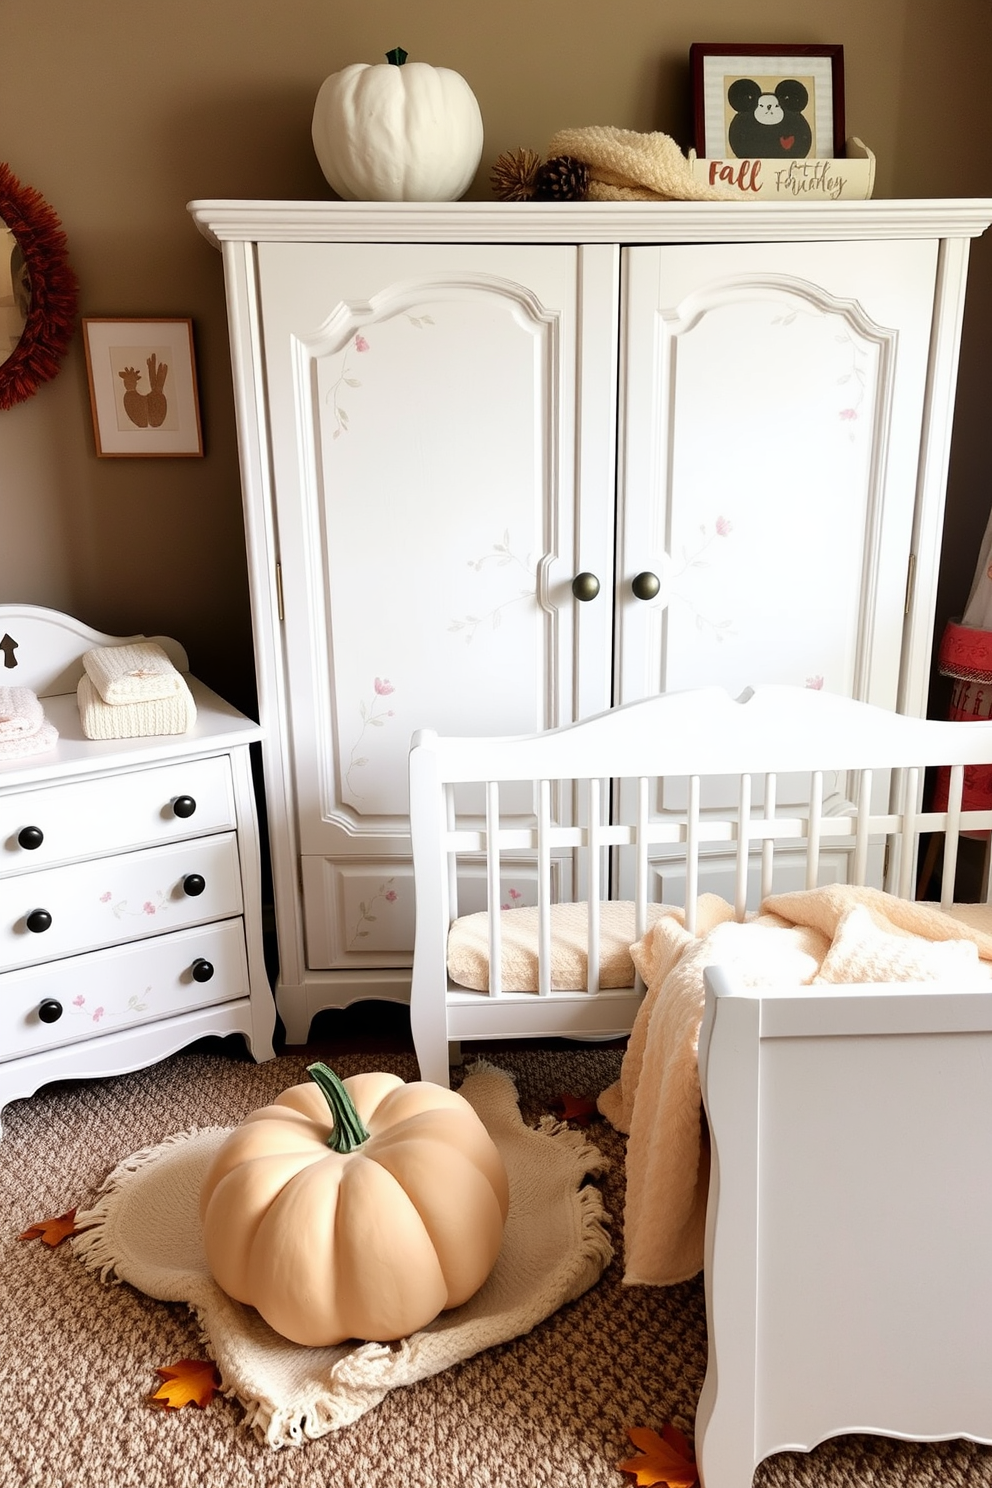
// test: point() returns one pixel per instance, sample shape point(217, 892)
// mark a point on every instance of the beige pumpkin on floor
point(359, 1208)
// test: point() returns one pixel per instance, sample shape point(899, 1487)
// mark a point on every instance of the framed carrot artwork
point(143, 393)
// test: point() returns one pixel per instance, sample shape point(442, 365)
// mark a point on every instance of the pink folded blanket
point(23, 746)
point(20, 712)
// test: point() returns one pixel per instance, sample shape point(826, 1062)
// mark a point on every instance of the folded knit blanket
point(627, 166)
point(175, 714)
point(139, 672)
point(20, 712)
point(23, 746)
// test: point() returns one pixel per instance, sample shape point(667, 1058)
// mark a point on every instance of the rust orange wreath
point(51, 318)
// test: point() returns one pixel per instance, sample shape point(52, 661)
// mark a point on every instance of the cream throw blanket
point(145, 1229)
point(831, 935)
point(627, 166)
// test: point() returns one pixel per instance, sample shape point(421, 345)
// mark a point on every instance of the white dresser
point(130, 911)
point(507, 464)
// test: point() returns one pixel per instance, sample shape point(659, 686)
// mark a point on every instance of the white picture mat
point(717, 71)
point(172, 343)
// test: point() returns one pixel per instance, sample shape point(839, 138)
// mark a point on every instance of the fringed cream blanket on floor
point(833, 935)
point(145, 1230)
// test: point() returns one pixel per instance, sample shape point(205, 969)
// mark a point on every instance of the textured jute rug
point(146, 1230)
point(547, 1410)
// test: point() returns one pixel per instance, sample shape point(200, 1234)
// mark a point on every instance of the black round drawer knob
point(30, 838)
point(194, 884)
point(645, 585)
point(202, 970)
point(183, 806)
point(585, 586)
point(50, 1011)
point(38, 920)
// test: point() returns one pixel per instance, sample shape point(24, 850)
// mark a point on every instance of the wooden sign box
point(850, 179)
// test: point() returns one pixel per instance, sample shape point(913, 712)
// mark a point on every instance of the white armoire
point(505, 465)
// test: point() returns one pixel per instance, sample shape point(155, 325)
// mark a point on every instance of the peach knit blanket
point(832, 935)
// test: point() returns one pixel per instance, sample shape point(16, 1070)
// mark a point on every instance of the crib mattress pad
point(468, 944)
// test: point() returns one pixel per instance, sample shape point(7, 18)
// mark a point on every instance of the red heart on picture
point(787, 141)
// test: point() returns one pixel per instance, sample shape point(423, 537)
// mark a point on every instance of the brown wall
point(120, 113)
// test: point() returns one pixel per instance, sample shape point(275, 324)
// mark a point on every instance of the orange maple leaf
point(187, 1382)
point(578, 1108)
point(52, 1231)
point(666, 1459)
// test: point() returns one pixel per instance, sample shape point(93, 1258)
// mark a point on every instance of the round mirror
point(15, 293)
point(37, 291)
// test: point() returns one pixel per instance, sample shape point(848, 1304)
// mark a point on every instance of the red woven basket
point(966, 655)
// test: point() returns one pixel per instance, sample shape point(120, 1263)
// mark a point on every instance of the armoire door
point(773, 401)
point(443, 467)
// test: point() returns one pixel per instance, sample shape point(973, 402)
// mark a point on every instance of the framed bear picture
point(768, 102)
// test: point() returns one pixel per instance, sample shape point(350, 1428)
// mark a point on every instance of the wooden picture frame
point(748, 101)
point(143, 390)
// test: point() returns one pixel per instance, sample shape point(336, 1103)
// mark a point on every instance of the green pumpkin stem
point(397, 56)
point(349, 1131)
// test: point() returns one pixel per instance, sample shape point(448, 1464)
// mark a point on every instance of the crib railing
point(852, 810)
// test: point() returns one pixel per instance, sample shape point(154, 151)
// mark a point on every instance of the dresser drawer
point(117, 988)
point(118, 898)
point(133, 808)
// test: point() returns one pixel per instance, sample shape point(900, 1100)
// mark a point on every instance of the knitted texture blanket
point(627, 166)
point(838, 935)
point(144, 1229)
point(23, 746)
point(24, 729)
point(20, 712)
point(139, 672)
point(175, 714)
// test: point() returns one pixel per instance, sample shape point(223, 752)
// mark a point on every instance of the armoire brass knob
point(645, 585)
point(585, 586)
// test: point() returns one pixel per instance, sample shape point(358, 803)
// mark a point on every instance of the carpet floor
point(549, 1410)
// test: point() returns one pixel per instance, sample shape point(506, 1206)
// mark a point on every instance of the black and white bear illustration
point(769, 125)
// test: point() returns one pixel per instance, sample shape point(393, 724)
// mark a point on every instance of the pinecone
point(512, 175)
point(562, 178)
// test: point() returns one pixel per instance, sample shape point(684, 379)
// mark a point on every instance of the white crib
point(849, 1219)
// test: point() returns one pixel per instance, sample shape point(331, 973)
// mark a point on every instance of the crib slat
point(743, 843)
point(493, 889)
point(593, 875)
point(641, 842)
point(692, 854)
point(768, 842)
point(863, 822)
point(452, 862)
point(544, 889)
point(641, 860)
point(908, 834)
point(813, 833)
point(955, 791)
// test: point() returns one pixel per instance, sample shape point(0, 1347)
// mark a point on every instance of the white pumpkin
point(397, 131)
